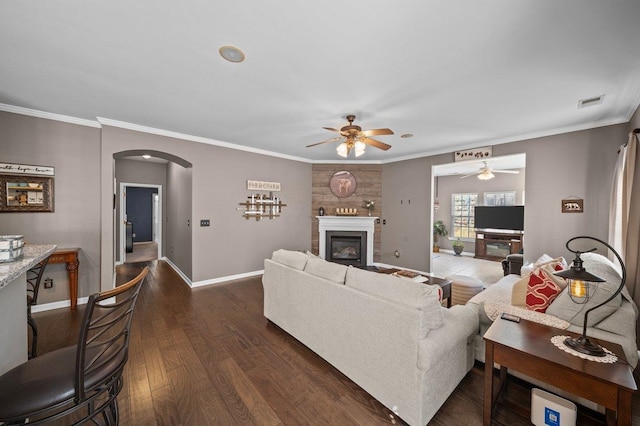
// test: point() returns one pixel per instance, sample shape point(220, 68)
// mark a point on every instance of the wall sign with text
point(26, 169)
point(258, 185)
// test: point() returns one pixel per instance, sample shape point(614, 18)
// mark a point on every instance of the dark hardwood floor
point(207, 356)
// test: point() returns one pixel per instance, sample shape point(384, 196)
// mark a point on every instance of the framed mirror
point(26, 193)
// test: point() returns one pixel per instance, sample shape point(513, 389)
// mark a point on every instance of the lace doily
point(609, 358)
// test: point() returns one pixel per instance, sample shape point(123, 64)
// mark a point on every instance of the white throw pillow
point(565, 308)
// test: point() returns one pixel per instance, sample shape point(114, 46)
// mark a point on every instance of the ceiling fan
point(487, 172)
point(356, 138)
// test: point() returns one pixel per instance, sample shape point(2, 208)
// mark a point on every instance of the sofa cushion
point(294, 259)
point(410, 293)
point(328, 270)
point(563, 307)
point(541, 290)
point(559, 263)
point(519, 292)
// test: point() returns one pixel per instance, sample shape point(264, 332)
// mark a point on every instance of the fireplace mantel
point(346, 223)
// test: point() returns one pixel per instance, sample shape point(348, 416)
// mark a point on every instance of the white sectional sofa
point(613, 322)
point(389, 335)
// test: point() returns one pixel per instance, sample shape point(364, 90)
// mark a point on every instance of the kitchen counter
point(32, 254)
point(13, 305)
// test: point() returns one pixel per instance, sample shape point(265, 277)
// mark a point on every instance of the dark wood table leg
point(624, 409)
point(488, 384)
point(72, 269)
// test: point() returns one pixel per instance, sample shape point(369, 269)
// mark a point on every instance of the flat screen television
point(499, 217)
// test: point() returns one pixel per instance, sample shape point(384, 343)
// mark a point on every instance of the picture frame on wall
point(343, 184)
point(26, 194)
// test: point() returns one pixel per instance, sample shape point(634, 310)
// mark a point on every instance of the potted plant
point(458, 246)
point(439, 230)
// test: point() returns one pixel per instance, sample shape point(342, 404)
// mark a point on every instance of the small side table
point(70, 257)
point(445, 285)
point(526, 347)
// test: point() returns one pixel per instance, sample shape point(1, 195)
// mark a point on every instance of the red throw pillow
point(541, 290)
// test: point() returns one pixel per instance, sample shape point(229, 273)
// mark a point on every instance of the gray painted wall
point(635, 120)
point(448, 185)
point(232, 244)
point(178, 219)
point(578, 163)
point(572, 164)
point(74, 151)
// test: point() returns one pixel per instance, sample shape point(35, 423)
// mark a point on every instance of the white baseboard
point(211, 281)
point(227, 278)
point(57, 305)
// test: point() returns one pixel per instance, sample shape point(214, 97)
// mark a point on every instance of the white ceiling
point(456, 74)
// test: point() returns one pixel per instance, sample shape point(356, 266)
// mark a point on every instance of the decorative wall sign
point(343, 184)
point(26, 169)
point(573, 205)
point(26, 193)
point(473, 154)
point(258, 185)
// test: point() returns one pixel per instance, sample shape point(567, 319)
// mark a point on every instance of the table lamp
point(579, 284)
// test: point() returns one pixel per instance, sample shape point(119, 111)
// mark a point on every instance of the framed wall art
point(26, 193)
point(343, 184)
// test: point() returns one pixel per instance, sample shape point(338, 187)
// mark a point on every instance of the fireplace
point(347, 226)
point(347, 247)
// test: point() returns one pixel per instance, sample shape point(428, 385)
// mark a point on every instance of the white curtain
point(624, 217)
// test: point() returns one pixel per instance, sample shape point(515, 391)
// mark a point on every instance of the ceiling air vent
point(597, 100)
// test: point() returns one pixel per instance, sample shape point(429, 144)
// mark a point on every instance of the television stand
point(496, 245)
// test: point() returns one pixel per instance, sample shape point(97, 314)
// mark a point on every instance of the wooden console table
point(70, 257)
point(526, 347)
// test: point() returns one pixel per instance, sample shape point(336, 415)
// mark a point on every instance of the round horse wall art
point(343, 184)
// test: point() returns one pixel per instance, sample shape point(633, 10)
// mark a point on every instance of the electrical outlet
point(48, 282)
point(205, 222)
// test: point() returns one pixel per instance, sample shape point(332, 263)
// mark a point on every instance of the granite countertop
point(32, 254)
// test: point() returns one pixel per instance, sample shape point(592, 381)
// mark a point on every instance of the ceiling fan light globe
point(342, 150)
point(486, 175)
point(359, 146)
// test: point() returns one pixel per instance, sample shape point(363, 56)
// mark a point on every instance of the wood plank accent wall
point(369, 187)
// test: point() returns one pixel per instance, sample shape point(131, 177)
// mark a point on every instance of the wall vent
point(597, 100)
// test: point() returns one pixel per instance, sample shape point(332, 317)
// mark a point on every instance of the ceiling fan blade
point(466, 176)
point(377, 132)
point(381, 145)
point(328, 140)
point(513, 172)
point(331, 129)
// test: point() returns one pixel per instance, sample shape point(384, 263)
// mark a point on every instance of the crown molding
point(518, 138)
point(160, 132)
point(49, 115)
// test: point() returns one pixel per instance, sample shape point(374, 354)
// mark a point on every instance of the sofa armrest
point(460, 325)
point(512, 264)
